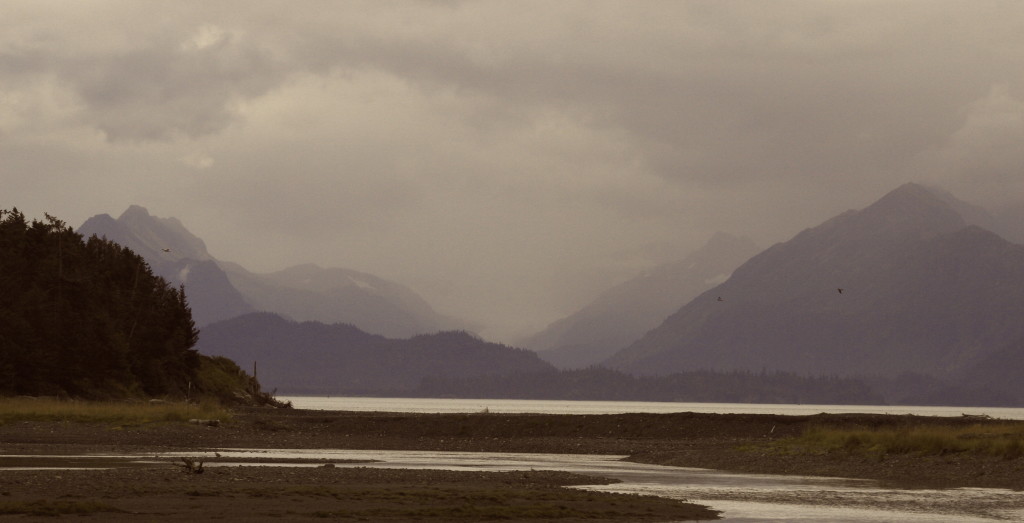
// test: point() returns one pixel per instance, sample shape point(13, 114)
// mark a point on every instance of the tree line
point(87, 317)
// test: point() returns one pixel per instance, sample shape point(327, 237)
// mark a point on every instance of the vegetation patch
point(119, 413)
point(1002, 440)
point(88, 318)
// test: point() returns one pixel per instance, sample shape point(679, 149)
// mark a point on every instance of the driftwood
point(189, 466)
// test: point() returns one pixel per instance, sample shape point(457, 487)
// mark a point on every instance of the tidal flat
point(162, 490)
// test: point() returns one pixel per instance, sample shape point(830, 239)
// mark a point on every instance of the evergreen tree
point(87, 318)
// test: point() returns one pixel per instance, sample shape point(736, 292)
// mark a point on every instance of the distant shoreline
point(343, 403)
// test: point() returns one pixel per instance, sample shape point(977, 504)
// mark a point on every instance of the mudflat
point(163, 491)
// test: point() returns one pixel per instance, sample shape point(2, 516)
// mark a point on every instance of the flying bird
point(166, 250)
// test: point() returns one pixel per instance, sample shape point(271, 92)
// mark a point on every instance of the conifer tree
point(87, 318)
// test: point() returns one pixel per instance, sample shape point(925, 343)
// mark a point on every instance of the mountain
point(311, 293)
point(176, 255)
point(624, 313)
point(922, 291)
point(602, 384)
point(1001, 367)
point(316, 358)
point(219, 290)
point(1010, 222)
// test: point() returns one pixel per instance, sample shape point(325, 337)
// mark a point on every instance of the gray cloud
point(508, 159)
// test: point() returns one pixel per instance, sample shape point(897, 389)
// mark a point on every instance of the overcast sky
point(508, 160)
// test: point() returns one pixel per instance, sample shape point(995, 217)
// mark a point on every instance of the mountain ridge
point(922, 290)
point(316, 358)
point(220, 290)
point(623, 313)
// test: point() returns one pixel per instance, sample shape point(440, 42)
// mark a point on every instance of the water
point(741, 497)
point(432, 405)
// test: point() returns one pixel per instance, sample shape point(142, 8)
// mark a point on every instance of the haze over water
point(446, 405)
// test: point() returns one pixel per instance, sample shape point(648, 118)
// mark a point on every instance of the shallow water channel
point(741, 497)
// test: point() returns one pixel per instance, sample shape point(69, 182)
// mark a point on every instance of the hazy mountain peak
point(175, 254)
point(905, 284)
point(150, 236)
point(907, 196)
point(219, 290)
point(623, 313)
point(911, 211)
point(134, 212)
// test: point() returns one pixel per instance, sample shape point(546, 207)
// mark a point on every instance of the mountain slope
point(923, 292)
point(622, 314)
point(315, 358)
point(176, 255)
point(220, 290)
point(311, 293)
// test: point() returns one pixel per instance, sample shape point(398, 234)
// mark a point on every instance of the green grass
point(112, 412)
point(1002, 440)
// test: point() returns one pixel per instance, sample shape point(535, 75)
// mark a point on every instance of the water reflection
point(741, 497)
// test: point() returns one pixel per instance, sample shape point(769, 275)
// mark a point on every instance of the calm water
point(741, 497)
point(429, 405)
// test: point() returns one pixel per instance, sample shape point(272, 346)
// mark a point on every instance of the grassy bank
point(109, 412)
point(1002, 440)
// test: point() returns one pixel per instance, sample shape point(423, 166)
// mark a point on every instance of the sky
point(508, 160)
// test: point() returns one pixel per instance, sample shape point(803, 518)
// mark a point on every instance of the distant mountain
point(1009, 221)
point(316, 358)
point(624, 313)
point(923, 291)
point(602, 384)
point(999, 370)
point(311, 293)
point(220, 290)
point(176, 255)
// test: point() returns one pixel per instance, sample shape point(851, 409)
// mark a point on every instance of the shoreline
point(728, 442)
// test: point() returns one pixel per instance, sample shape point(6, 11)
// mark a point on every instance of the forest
point(87, 318)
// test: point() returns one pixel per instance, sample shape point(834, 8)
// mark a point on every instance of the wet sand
point(164, 492)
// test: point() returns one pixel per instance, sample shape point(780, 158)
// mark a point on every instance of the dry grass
point(112, 412)
point(1004, 440)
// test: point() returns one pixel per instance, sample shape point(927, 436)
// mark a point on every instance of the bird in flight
point(166, 250)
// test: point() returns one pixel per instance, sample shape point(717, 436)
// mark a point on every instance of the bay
point(510, 406)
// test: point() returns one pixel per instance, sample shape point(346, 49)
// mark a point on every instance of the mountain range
point(909, 284)
point(178, 256)
point(316, 358)
point(914, 294)
point(219, 290)
point(625, 312)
